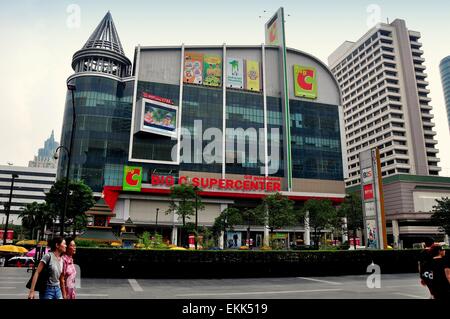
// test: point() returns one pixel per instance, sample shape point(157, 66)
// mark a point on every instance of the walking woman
point(51, 264)
point(69, 271)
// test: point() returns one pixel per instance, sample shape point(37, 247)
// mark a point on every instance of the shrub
point(86, 243)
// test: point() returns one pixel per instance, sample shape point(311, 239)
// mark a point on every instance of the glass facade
point(102, 134)
point(316, 143)
point(153, 146)
point(445, 76)
point(101, 139)
point(245, 131)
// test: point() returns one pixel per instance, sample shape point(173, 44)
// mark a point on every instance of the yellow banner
point(252, 76)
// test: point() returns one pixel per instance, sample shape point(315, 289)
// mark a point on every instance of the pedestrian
point(424, 261)
point(69, 270)
point(440, 283)
point(50, 266)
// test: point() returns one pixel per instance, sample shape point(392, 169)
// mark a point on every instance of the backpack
point(41, 283)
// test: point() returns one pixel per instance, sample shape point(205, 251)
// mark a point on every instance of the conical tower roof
point(105, 36)
point(103, 52)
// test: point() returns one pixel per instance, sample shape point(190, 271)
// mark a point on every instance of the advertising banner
point(234, 239)
point(273, 29)
point(368, 192)
point(159, 118)
point(193, 68)
point(370, 209)
point(212, 70)
point(132, 178)
point(367, 175)
point(372, 231)
point(305, 82)
point(252, 76)
point(235, 73)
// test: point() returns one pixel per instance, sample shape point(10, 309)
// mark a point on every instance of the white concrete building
point(29, 187)
point(385, 100)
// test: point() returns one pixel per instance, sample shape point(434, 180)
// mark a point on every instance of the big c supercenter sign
point(132, 178)
point(305, 82)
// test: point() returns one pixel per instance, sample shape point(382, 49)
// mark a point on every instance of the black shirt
point(440, 285)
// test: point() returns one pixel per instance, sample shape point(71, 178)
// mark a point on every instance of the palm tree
point(37, 216)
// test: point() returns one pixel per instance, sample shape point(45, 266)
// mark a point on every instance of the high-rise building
point(178, 117)
point(444, 66)
point(30, 186)
point(385, 100)
point(45, 155)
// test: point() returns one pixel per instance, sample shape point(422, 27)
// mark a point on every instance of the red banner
point(156, 98)
point(368, 191)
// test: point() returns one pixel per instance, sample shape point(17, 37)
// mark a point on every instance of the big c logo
point(305, 82)
point(132, 178)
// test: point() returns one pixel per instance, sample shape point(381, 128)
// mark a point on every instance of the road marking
point(258, 292)
point(13, 282)
point(7, 287)
point(24, 295)
point(408, 295)
point(324, 281)
point(134, 284)
point(401, 286)
point(92, 295)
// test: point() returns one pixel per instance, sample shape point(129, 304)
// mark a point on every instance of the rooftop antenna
point(387, 20)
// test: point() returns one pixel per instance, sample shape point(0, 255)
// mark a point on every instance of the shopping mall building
point(214, 116)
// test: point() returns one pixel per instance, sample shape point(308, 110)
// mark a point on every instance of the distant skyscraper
point(45, 159)
point(386, 103)
point(445, 75)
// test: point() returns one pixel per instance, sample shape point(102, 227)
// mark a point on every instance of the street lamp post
point(8, 208)
point(72, 89)
point(196, 217)
point(157, 211)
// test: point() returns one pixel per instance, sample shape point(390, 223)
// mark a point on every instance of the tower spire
point(103, 51)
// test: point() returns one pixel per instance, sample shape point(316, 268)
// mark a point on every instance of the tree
point(36, 216)
point(280, 211)
point(227, 219)
point(351, 209)
point(80, 199)
point(441, 214)
point(184, 201)
point(321, 213)
point(256, 215)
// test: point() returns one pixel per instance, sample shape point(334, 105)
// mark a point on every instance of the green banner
point(132, 178)
point(305, 82)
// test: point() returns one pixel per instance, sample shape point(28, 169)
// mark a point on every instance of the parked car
point(20, 261)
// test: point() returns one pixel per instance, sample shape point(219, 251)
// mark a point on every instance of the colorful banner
point(132, 178)
point(235, 73)
point(305, 82)
point(252, 76)
point(273, 29)
point(371, 230)
point(193, 68)
point(212, 70)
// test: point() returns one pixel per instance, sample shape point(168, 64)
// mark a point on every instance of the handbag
point(41, 283)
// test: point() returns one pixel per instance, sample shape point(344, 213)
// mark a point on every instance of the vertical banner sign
point(132, 178)
point(235, 73)
point(252, 75)
point(372, 200)
point(193, 68)
point(305, 82)
point(212, 70)
point(275, 35)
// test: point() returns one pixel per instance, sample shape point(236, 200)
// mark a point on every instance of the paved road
point(398, 286)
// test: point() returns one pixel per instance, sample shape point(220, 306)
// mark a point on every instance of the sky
point(39, 37)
